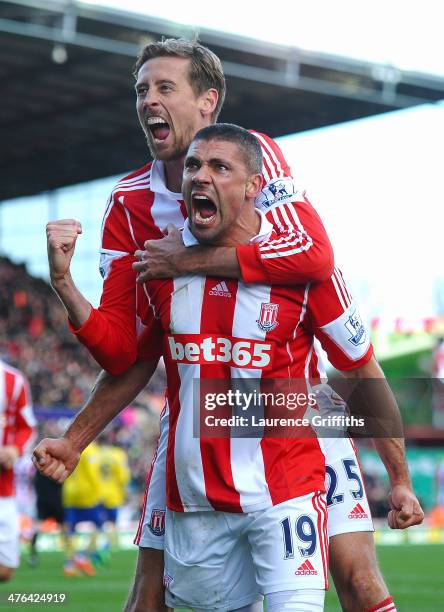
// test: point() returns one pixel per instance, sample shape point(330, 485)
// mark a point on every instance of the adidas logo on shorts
point(306, 569)
point(358, 512)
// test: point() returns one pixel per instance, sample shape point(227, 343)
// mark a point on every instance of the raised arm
point(109, 331)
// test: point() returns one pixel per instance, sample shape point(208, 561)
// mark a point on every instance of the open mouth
point(204, 210)
point(159, 128)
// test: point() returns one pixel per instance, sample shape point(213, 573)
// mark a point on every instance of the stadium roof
point(67, 112)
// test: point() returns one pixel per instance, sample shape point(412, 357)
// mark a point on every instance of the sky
point(376, 184)
point(403, 33)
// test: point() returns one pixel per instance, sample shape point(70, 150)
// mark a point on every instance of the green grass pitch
point(414, 575)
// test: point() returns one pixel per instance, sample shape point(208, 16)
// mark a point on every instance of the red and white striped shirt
point(215, 328)
point(140, 206)
point(17, 420)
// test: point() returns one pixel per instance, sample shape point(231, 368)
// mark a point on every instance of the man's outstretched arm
point(109, 332)
point(298, 251)
point(58, 457)
point(375, 393)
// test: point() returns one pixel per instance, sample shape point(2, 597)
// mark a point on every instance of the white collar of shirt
point(264, 233)
point(157, 182)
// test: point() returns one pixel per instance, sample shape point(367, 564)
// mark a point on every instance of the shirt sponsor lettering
point(207, 349)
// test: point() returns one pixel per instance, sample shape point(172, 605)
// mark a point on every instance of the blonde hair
point(206, 70)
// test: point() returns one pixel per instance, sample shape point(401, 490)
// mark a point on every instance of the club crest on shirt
point(355, 326)
point(268, 316)
point(157, 522)
point(276, 191)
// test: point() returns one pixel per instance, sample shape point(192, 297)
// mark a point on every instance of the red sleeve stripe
point(292, 251)
point(293, 213)
point(289, 224)
point(282, 220)
point(135, 187)
point(267, 168)
point(266, 172)
point(343, 299)
point(277, 218)
point(341, 281)
point(130, 181)
point(270, 155)
point(285, 215)
point(285, 242)
point(320, 506)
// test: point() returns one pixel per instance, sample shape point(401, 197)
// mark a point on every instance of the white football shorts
point(223, 561)
point(347, 504)
point(9, 533)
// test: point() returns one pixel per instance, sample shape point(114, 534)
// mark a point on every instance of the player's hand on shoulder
point(56, 458)
point(161, 258)
point(405, 510)
point(61, 239)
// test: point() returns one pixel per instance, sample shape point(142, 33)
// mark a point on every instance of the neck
point(247, 226)
point(173, 174)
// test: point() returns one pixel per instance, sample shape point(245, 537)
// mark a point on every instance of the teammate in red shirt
point(16, 428)
point(165, 101)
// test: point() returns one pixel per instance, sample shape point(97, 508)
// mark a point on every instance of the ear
point(254, 185)
point(208, 101)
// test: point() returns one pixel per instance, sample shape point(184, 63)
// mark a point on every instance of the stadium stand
point(34, 338)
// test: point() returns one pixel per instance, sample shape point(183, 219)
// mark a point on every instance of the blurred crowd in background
point(34, 337)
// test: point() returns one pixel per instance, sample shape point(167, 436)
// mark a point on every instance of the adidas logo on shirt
point(358, 512)
point(221, 290)
point(306, 569)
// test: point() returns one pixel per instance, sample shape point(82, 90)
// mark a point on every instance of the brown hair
point(205, 67)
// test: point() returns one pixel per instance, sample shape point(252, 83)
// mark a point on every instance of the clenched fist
point(405, 508)
point(61, 239)
point(56, 458)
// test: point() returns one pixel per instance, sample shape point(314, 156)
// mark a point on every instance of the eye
point(191, 164)
point(141, 91)
point(222, 167)
point(165, 88)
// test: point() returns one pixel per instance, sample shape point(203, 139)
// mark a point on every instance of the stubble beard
point(178, 152)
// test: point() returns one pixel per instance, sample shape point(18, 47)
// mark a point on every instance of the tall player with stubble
point(180, 88)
